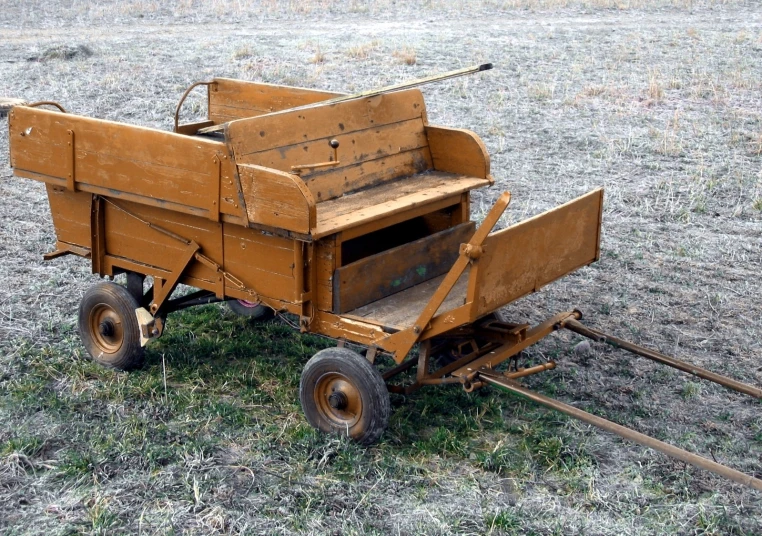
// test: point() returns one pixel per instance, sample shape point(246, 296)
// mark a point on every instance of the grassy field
point(660, 102)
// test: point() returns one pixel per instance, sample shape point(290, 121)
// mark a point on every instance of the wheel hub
point(338, 400)
point(106, 328)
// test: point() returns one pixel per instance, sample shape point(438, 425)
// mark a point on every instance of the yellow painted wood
point(277, 199)
point(529, 255)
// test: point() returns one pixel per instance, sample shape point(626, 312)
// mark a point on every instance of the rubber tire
point(106, 296)
point(366, 380)
point(258, 312)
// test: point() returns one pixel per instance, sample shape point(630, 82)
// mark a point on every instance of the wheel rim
point(248, 304)
point(338, 400)
point(106, 328)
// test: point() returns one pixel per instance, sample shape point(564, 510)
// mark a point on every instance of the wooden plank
point(457, 150)
point(238, 98)
point(432, 207)
point(71, 215)
point(262, 261)
point(39, 141)
point(232, 200)
point(147, 178)
point(529, 255)
point(397, 269)
point(354, 148)
point(372, 172)
point(325, 265)
point(255, 134)
point(128, 238)
point(399, 311)
point(122, 158)
point(277, 199)
point(388, 199)
point(250, 247)
point(190, 129)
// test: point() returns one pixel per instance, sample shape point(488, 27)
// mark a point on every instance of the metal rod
point(550, 365)
point(402, 367)
point(46, 103)
point(670, 450)
point(730, 383)
point(365, 94)
point(185, 95)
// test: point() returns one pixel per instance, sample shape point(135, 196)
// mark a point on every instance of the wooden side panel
point(71, 215)
point(397, 269)
point(326, 263)
point(261, 261)
point(128, 238)
point(95, 155)
point(459, 151)
point(237, 99)
point(529, 255)
point(277, 199)
point(381, 138)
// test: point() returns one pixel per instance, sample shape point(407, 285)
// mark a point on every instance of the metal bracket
point(163, 288)
point(71, 182)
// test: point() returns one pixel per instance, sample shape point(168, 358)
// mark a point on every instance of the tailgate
point(529, 255)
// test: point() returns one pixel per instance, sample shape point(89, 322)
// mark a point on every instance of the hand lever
point(335, 162)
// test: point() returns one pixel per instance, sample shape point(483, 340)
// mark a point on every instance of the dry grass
point(406, 55)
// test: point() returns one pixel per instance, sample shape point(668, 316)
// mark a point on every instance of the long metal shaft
point(670, 450)
point(372, 92)
point(598, 336)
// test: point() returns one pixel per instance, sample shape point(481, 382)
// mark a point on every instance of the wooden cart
point(352, 213)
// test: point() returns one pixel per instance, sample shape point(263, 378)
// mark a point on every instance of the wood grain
point(162, 166)
point(527, 256)
point(399, 311)
point(236, 99)
point(457, 150)
point(277, 199)
point(388, 199)
point(381, 138)
point(397, 269)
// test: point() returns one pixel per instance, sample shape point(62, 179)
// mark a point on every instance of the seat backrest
point(236, 99)
point(381, 138)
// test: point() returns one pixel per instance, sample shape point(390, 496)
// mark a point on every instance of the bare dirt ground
point(658, 102)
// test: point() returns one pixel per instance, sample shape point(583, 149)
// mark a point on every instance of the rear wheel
point(343, 393)
point(251, 309)
point(109, 327)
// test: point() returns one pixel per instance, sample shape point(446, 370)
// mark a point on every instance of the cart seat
point(351, 163)
point(391, 198)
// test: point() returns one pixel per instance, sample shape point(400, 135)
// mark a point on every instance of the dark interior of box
point(396, 235)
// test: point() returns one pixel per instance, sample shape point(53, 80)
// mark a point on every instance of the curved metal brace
point(185, 95)
point(47, 103)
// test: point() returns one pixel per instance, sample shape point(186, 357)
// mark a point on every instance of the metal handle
point(335, 162)
point(47, 103)
point(185, 95)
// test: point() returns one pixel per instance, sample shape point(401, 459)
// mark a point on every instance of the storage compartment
point(396, 235)
point(392, 270)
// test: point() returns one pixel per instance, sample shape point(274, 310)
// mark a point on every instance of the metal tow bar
point(647, 441)
point(578, 327)
point(506, 381)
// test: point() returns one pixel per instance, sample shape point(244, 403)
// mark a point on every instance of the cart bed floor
point(400, 311)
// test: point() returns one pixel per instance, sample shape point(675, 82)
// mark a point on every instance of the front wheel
point(343, 393)
point(109, 327)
